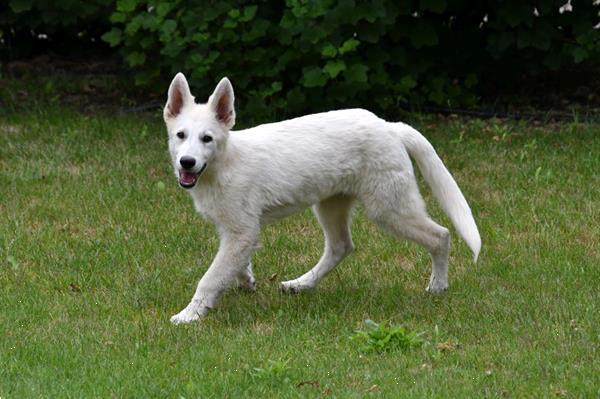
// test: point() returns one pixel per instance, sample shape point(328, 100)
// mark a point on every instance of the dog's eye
point(180, 135)
point(207, 139)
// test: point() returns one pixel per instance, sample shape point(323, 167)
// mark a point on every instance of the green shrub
point(291, 57)
point(286, 58)
point(297, 56)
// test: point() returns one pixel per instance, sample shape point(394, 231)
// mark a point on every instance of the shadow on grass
point(351, 303)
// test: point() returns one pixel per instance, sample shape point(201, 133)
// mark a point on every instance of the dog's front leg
point(231, 261)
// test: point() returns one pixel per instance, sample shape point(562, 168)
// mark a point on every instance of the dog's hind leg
point(433, 237)
point(402, 213)
point(334, 215)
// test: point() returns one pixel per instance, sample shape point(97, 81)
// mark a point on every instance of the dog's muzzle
point(188, 178)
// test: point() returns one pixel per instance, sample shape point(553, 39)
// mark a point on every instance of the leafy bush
point(297, 56)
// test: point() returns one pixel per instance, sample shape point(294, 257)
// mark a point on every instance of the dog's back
point(307, 159)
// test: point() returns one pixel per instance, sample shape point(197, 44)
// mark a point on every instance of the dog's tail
point(442, 184)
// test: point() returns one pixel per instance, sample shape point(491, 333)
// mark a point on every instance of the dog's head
point(197, 132)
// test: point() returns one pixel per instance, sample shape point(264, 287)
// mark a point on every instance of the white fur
point(327, 161)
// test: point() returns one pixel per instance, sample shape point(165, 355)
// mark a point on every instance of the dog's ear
point(221, 102)
point(179, 97)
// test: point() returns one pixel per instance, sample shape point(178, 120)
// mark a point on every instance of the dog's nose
point(187, 162)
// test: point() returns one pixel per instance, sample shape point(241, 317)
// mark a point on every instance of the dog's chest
point(207, 204)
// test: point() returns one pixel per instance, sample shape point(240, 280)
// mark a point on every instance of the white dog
point(242, 180)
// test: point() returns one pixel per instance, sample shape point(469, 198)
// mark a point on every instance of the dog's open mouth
point(188, 179)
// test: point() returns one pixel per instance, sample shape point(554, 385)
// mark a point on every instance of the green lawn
point(99, 247)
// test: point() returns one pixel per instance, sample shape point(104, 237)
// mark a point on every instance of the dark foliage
point(292, 57)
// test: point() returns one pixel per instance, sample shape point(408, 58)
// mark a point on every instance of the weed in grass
point(276, 370)
point(458, 140)
point(14, 264)
point(528, 148)
point(537, 173)
point(379, 338)
point(501, 131)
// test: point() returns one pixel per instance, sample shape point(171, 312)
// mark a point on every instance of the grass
point(98, 247)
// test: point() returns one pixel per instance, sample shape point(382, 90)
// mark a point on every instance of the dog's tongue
point(187, 178)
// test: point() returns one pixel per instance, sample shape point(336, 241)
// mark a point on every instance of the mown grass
point(98, 247)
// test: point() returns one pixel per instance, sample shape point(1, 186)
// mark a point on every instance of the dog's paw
point(293, 287)
point(188, 315)
point(437, 286)
point(248, 284)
